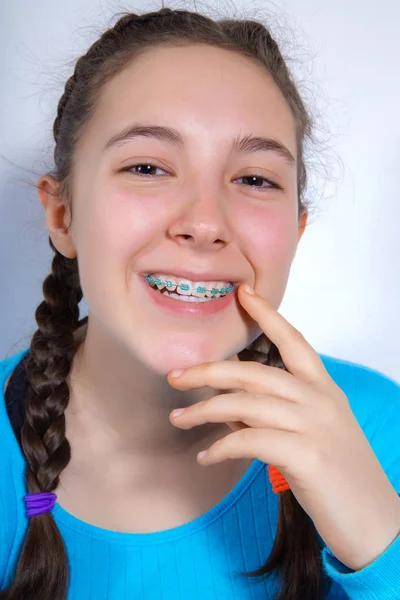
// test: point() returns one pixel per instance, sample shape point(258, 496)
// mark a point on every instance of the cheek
point(113, 230)
point(271, 241)
point(119, 225)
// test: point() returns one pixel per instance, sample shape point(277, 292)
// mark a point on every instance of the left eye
point(149, 166)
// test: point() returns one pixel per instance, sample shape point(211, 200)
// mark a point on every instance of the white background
point(343, 289)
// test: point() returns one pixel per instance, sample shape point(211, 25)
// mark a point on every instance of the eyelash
point(272, 185)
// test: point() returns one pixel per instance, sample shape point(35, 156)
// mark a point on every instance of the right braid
point(42, 574)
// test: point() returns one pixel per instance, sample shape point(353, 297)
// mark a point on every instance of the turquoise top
point(199, 560)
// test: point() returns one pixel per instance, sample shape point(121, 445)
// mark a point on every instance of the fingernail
point(177, 412)
point(248, 289)
point(176, 373)
point(201, 454)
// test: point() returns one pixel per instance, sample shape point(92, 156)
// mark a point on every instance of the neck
point(118, 406)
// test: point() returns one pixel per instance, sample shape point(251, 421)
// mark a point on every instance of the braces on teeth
point(185, 286)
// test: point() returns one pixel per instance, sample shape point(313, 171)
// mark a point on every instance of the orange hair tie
point(279, 483)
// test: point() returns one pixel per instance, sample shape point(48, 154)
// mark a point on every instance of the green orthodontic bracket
point(185, 286)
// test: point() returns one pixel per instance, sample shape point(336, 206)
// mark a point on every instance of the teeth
point(186, 287)
point(184, 298)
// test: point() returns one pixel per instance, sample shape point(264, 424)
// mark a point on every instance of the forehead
point(208, 93)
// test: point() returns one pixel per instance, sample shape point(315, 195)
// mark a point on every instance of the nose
point(202, 224)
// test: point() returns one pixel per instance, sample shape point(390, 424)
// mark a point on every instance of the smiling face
point(200, 211)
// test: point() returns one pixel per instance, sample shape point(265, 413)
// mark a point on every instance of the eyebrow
point(247, 143)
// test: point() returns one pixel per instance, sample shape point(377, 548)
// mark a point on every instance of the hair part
point(42, 569)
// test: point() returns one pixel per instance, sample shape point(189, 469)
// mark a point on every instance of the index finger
point(298, 355)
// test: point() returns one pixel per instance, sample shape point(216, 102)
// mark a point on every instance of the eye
point(253, 178)
point(145, 174)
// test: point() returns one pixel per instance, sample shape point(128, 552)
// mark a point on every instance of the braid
point(43, 575)
point(288, 551)
point(69, 86)
point(52, 348)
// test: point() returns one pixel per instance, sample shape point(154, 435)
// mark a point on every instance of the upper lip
point(209, 276)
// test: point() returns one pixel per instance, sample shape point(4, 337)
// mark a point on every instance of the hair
point(42, 569)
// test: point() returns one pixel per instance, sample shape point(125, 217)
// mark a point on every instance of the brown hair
point(42, 569)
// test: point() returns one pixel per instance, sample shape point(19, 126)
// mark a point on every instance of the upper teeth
point(187, 287)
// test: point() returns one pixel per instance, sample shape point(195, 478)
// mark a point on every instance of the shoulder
point(367, 389)
point(12, 470)
point(8, 366)
point(8, 363)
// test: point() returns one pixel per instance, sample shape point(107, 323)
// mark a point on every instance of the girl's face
point(201, 210)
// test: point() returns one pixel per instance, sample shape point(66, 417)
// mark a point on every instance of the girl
point(179, 180)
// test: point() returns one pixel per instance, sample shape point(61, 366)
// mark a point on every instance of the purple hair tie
point(38, 504)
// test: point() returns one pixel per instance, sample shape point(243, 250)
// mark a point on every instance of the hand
point(301, 422)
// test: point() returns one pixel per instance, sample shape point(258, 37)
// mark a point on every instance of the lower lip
point(196, 309)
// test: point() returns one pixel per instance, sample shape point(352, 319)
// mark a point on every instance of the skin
point(301, 422)
point(202, 216)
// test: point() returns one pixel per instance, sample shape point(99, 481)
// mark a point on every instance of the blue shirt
point(199, 560)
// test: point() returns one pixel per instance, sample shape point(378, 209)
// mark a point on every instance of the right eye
point(150, 165)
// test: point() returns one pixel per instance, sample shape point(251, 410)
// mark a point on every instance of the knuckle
point(245, 435)
point(298, 335)
point(252, 368)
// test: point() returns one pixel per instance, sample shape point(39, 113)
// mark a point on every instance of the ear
point(57, 215)
point(301, 228)
point(302, 224)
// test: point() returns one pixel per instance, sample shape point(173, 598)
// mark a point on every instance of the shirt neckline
point(87, 529)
